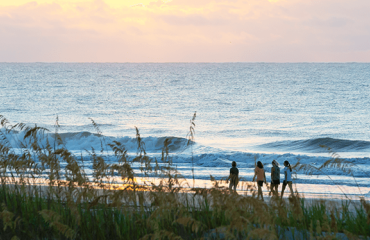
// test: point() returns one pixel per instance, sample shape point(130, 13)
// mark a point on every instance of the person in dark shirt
point(275, 178)
point(233, 177)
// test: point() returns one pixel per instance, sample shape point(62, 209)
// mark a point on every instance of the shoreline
point(308, 190)
point(310, 198)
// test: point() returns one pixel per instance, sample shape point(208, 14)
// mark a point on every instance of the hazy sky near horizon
point(184, 31)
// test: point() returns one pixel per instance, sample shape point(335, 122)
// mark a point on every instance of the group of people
point(259, 173)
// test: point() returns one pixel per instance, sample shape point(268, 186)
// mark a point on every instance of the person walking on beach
point(233, 177)
point(287, 178)
point(259, 172)
point(275, 178)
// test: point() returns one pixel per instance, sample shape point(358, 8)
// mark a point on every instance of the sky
point(185, 31)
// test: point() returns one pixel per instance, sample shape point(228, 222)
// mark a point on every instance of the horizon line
point(175, 62)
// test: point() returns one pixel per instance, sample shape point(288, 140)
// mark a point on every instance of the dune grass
point(111, 204)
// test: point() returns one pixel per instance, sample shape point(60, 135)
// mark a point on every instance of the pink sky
point(185, 31)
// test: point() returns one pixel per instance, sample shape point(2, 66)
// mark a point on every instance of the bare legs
point(231, 186)
point(290, 187)
point(259, 192)
point(274, 189)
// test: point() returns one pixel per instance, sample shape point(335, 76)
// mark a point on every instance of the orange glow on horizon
point(111, 3)
point(184, 31)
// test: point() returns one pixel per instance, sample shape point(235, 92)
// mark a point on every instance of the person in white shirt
point(287, 178)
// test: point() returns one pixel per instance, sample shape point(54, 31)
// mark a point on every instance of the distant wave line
point(315, 145)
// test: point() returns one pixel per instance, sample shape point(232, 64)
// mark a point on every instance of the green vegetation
point(113, 205)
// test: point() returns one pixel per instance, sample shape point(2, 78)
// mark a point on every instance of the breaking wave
point(85, 140)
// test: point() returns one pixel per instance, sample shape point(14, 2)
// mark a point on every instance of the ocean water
point(245, 111)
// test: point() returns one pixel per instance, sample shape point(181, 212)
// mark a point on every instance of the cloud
point(138, 5)
point(186, 30)
point(193, 19)
point(336, 22)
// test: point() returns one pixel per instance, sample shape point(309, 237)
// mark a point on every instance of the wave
point(319, 145)
point(86, 140)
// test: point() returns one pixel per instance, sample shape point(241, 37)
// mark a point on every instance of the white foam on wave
point(80, 141)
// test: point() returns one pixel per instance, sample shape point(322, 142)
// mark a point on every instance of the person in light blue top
point(287, 178)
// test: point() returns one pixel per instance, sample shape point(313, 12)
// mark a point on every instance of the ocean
point(244, 112)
